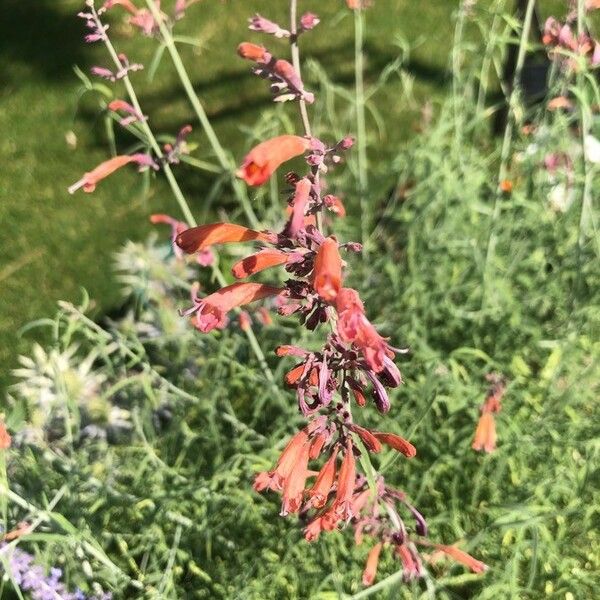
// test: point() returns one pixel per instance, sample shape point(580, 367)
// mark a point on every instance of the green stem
point(361, 127)
point(302, 103)
point(224, 160)
point(584, 115)
point(217, 273)
point(506, 148)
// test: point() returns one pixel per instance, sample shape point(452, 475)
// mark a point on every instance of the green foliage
point(163, 507)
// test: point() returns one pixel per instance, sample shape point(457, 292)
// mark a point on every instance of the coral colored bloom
point(196, 238)
point(397, 443)
point(253, 52)
point(313, 530)
point(368, 438)
point(299, 204)
point(317, 444)
point(354, 327)
point(89, 180)
point(293, 487)
point(345, 484)
point(462, 557)
point(327, 274)
point(371, 567)
point(293, 376)
point(211, 311)
point(485, 434)
point(276, 478)
point(324, 482)
point(5, 439)
point(255, 263)
point(262, 161)
point(410, 561)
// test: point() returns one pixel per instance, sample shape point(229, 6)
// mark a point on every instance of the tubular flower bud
point(485, 434)
point(369, 439)
point(253, 52)
point(371, 567)
point(327, 274)
point(197, 238)
point(255, 263)
point(275, 479)
point(324, 482)
point(300, 202)
point(345, 484)
point(90, 180)
point(262, 161)
point(397, 443)
point(211, 311)
point(293, 487)
point(462, 557)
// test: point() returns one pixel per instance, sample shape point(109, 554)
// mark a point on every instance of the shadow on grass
point(42, 36)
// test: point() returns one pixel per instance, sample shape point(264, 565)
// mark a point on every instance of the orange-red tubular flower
point(255, 263)
point(90, 180)
point(485, 434)
point(5, 439)
point(253, 52)
point(397, 443)
point(324, 482)
point(293, 487)
point(211, 311)
point(345, 484)
point(197, 238)
point(276, 478)
point(313, 530)
point(462, 557)
point(262, 161)
point(368, 437)
point(371, 567)
point(327, 274)
point(354, 327)
point(301, 197)
point(335, 205)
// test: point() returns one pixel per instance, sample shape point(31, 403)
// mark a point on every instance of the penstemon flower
point(485, 433)
point(318, 474)
point(324, 474)
point(90, 180)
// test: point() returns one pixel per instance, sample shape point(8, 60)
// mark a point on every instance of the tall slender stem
point(506, 147)
point(303, 110)
point(361, 128)
point(185, 209)
point(296, 61)
point(584, 116)
point(223, 158)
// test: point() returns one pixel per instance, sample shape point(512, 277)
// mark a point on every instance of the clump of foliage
point(130, 466)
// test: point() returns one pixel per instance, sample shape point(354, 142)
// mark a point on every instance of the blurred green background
point(54, 244)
